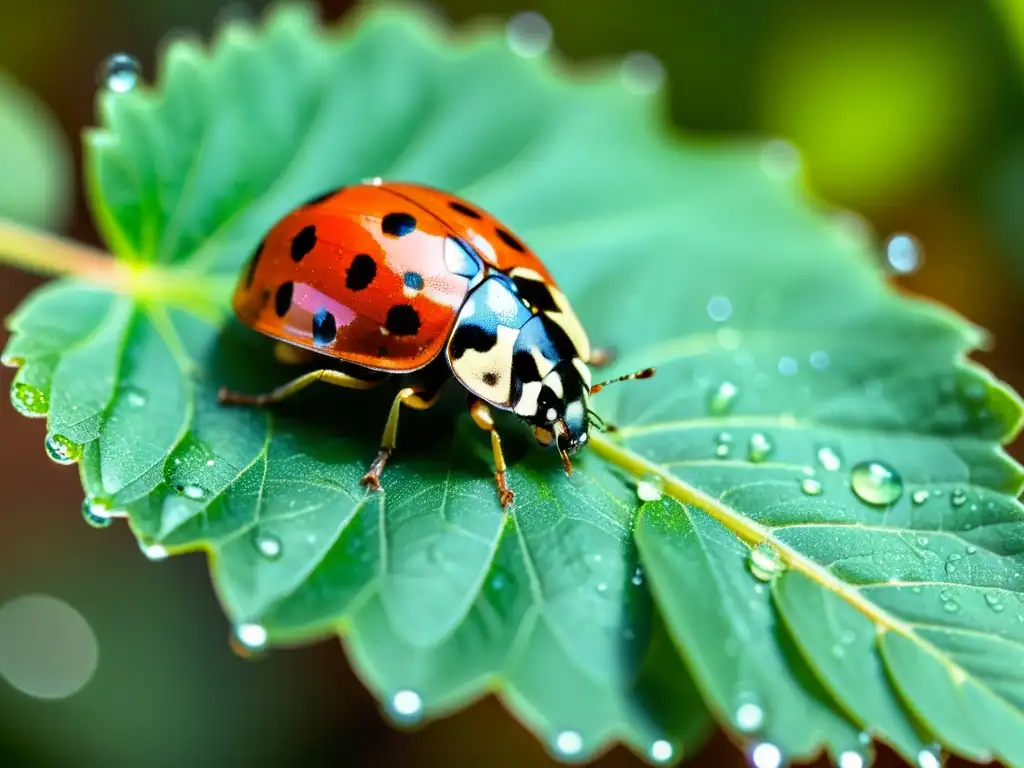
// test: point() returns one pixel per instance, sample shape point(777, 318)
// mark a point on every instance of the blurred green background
point(910, 112)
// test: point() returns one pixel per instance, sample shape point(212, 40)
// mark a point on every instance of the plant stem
point(48, 254)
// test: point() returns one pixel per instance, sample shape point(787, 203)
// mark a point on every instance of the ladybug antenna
point(646, 373)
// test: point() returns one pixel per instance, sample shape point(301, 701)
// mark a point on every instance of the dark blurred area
point(910, 112)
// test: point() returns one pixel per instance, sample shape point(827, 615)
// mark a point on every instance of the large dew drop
point(749, 717)
point(96, 512)
point(903, 254)
point(765, 755)
point(829, 459)
point(662, 751)
point(759, 447)
point(268, 545)
point(765, 562)
point(406, 706)
point(721, 400)
point(29, 401)
point(62, 450)
point(876, 483)
point(650, 488)
point(120, 73)
point(528, 34)
point(253, 637)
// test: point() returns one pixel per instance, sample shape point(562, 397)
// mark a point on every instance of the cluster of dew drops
point(877, 484)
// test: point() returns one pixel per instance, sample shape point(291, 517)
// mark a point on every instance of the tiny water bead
point(929, 758)
point(759, 447)
point(957, 497)
point(765, 562)
point(810, 486)
point(723, 445)
point(876, 483)
point(749, 717)
point(253, 637)
point(719, 308)
point(766, 755)
point(662, 751)
point(650, 488)
point(829, 459)
point(951, 562)
point(638, 577)
point(268, 545)
point(136, 397)
point(29, 401)
point(819, 359)
point(903, 253)
point(993, 602)
point(569, 743)
point(851, 759)
point(154, 552)
point(62, 450)
point(96, 512)
point(120, 73)
point(529, 34)
point(642, 73)
point(920, 496)
point(722, 398)
point(406, 706)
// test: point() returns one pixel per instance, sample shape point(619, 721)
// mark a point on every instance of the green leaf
point(35, 170)
point(784, 363)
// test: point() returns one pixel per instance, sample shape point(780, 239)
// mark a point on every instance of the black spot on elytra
point(524, 367)
point(536, 294)
point(402, 320)
point(283, 299)
point(464, 209)
point(471, 337)
point(508, 239)
point(253, 263)
point(361, 272)
point(490, 379)
point(325, 328)
point(303, 243)
point(397, 224)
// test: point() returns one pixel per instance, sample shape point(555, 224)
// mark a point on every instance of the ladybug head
point(562, 417)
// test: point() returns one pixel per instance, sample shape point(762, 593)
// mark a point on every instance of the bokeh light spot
point(47, 648)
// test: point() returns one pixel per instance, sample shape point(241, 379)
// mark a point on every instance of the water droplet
point(29, 401)
point(950, 605)
point(193, 492)
point(62, 450)
point(788, 366)
point(829, 459)
point(876, 483)
point(661, 751)
point(922, 540)
point(650, 488)
point(903, 254)
point(919, 497)
point(253, 637)
point(766, 755)
point(602, 587)
point(765, 562)
point(642, 73)
point(957, 497)
point(268, 545)
point(851, 759)
point(96, 513)
point(819, 360)
point(529, 34)
point(993, 602)
point(723, 398)
point(810, 486)
point(864, 738)
point(154, 552)
point(723, 444)
point(638, 577)
point(719, 308)
point(780, 159)
point(916, 590)
point(951, 562)
point(569, 743)
point(749, 717)
point(971, 550)
point(120, 73)
point(759, 447)
point(928, 758)
point(136, 397)
point(838, 651)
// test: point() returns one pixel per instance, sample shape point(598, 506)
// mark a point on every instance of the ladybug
point(395, 278)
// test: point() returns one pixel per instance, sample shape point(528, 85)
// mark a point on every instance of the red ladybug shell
point(374, 274)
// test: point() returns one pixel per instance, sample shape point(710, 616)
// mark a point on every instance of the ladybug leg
point(411, 397)
point(482, 417)
point(285, 391)
point(599, 358)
